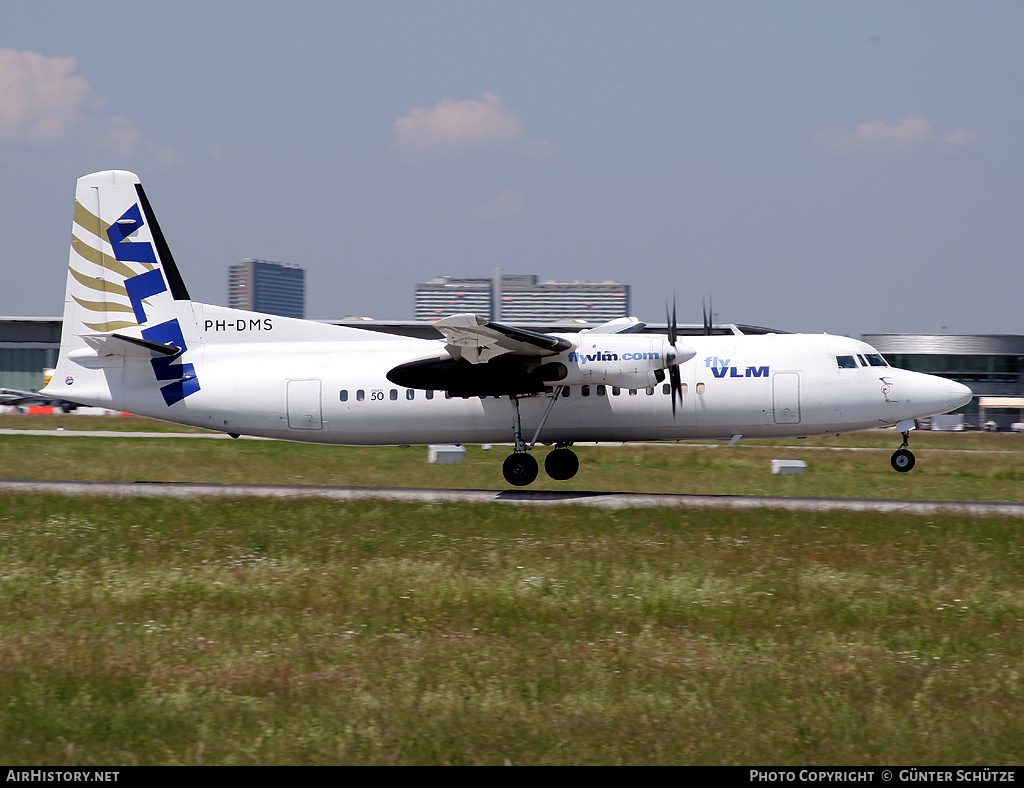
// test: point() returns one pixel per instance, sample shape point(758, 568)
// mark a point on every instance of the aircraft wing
point(620, 325)
point(476, 340)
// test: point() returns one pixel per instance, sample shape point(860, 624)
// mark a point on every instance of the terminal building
point(267, 287)
point(991, 364)
point(28, 345)
point(520, 298)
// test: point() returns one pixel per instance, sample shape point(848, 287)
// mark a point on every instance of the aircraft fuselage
point(338, 393)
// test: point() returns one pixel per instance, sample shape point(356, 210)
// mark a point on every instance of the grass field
point(298, 632)
point(961, 466)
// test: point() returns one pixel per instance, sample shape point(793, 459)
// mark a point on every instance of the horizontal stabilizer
point(18, 397)
point(121, 345)
point(104, 350)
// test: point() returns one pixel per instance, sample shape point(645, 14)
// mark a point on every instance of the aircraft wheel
point(561, 464)
point(902, 460)
point(519, 469)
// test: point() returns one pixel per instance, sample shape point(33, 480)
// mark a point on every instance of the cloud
point(961, 137)
point(124, 140)
point(43, 102)
point(910, 133)
point(507, 207)
point(463, 125)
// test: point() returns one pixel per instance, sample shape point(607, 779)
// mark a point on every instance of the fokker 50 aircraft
point(133, 340)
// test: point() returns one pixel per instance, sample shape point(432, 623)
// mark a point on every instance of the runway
point(605, 500)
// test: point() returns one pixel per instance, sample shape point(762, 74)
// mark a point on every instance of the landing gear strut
point(903, 458)
point(520, 468)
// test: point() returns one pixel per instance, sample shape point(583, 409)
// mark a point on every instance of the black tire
point(902, 460)
point(561, 464)
point(519, 469)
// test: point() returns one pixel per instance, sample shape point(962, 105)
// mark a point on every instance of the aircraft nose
point(959, 395)
point(935, 394)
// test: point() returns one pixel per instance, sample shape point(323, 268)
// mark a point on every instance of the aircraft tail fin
point(124, 296)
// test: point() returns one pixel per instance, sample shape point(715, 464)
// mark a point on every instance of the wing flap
point(477, 340)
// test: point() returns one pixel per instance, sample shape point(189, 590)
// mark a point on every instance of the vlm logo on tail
point(182, 377)
point(720, 368)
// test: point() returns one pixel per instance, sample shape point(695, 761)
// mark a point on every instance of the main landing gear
point(903, 458)
point(520, 468)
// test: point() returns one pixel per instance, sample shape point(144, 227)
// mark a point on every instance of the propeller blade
point(677, 387)
point(675, 379)
point(709, 313)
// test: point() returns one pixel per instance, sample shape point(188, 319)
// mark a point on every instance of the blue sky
point(820, 166)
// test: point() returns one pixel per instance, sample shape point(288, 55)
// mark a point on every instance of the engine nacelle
point(631, 361)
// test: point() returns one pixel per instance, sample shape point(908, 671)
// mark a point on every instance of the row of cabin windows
point(585, 391)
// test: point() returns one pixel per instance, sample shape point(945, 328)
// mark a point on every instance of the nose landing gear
point(903, 458)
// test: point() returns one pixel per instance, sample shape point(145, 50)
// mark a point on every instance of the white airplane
point(133, 340)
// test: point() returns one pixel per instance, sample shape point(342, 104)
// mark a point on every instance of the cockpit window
point(876, 360)
point(846, 362)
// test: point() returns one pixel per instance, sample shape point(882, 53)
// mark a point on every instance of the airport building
point(28, 345)
point(991, 364)
point(520, 298)
point(267, 287)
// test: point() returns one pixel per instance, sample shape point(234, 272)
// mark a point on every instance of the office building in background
point(520, 298)
point(268, 287)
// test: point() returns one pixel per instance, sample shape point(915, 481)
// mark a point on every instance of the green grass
point(157, 631)
point(950, 466)
point(279, 632)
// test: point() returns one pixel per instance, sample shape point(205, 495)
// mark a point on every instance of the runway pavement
point(519, 497)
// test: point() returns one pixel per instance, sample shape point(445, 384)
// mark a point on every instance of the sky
point(840, 167)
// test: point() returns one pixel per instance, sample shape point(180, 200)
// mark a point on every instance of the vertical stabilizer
point(128, 320)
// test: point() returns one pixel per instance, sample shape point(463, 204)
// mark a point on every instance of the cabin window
point(632, 392)
point(650, 391)
point(393, 394)
point(344, 395)
point(410, 394)
point(447, 395)
point(846, 362)
point(585, 391)
point(360, 395)
point(565, 391)
point(600, 391)
point(430, 394)
point(666, 388)
point(616, 391)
